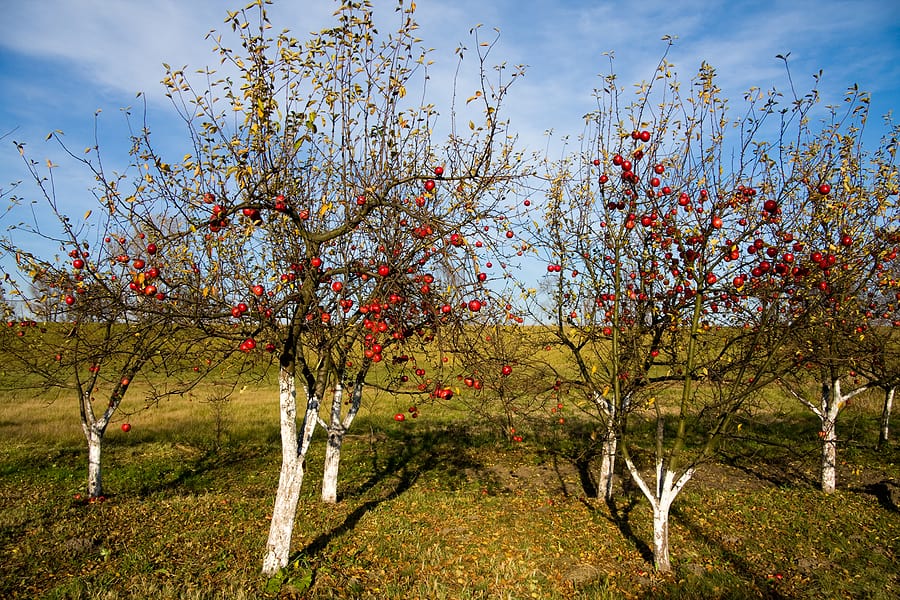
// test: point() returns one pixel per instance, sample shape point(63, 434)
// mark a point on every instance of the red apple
point(126, 427)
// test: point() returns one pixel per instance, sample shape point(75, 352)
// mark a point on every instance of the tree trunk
point(333, 449)
point(661, 498)
point(661, 537)
point(95, 471)
point(337, 430)
point(608, 463)
point(278, 546)
point(332, 466)
point(884, 435)
point(610, 445)
point(829, 454)
point(293, 455)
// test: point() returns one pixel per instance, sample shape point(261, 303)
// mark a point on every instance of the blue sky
point(62, 60)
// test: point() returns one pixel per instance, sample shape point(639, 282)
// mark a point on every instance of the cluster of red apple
point(142, 281)
point(23, 325)
point(219, 219)
point(143, 278)
point(471, 382)
point(442, 392)
point(253, 214)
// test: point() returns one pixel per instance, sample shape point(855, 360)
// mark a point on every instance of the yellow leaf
point(87, 214)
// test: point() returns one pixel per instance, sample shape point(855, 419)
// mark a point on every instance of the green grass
point(437, 507)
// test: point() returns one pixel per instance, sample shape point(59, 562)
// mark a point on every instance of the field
point(436, 507)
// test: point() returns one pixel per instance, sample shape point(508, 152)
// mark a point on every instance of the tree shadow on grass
point(197, 471)
point(762, 453)
point(620, 517)
point(886, 492)
point(404, 458)
point(741, 566)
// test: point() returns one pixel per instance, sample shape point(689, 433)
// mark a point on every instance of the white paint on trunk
point(884, 435)
point(290, 481)
point(337, 431)
point(608, 463)
point(93, 430)
point(333, 448)
point(609, 448)
point(832, 401)
point(284, 512)
point(95, 472)
point(661, 498)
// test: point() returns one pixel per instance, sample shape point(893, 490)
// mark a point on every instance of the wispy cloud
point(65, 58)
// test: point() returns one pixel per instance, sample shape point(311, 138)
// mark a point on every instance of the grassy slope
point(431, 508)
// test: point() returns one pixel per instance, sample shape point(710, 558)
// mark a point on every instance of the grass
point(437, 507)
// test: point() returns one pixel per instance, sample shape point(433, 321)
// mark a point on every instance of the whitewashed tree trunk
point(333, 448)
point(884, 434)
point(293, 456)
point(608, 462)
point(281, 528)
point(95, 471)
point(661, 498)
point(609, 447)
point(831, 402)
point(93, 430)
point(337, 430)
point(829, 454)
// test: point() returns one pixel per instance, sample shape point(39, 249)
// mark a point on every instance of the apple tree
point(841, 200)
point(341, 226)
point(117, 279)
point(649, 283)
